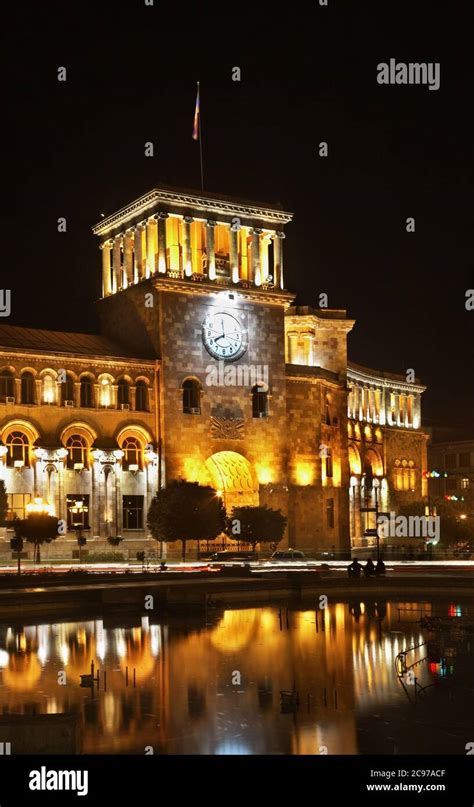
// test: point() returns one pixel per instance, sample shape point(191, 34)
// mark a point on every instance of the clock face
point(223, 336)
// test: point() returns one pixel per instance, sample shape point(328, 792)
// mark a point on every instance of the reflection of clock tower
point(196, 281)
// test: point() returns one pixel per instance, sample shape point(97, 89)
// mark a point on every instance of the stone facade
point(238, 388)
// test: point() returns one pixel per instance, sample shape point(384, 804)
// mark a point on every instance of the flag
point(196, 117)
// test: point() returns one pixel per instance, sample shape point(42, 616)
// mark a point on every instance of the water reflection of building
point(188, 698)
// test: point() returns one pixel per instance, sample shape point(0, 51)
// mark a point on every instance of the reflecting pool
point(259, 680)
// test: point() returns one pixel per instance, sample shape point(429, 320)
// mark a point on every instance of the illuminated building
point(203, 371)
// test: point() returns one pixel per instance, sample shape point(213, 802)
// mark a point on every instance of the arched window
point(67, 389)
point(259, 401)
point(27, 388)
point(87, 390)
point(404, 473)
point(191, 397)
point(123, 393)
point(18, 450)
point(6, 385)
point(141, 397)
point(105, 392)
point(77, 449)
point(132, 454)
point(49, 389)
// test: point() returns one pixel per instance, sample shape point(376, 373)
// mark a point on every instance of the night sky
point(308, 74)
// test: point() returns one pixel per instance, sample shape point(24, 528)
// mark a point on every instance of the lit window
point(18, 449)
point(49, 389)
point(132, 454)
point(77, 451)
point(465, 483)
point(77, 511)
point(16, 505)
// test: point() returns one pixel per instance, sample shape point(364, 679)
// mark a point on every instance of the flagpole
point(200, 138)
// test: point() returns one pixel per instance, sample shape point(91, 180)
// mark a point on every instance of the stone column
point(106, 248)
point(138, 244)
point(61, 497)
point(162, 263)
point(264, 244)
point(308, 348)
point(256, 256)
point(210, 250)
point(116, 265)
point(133, 396)
point(77, 393)
point(17, 390)
point(292, 347)
point(94, 502)
point(118, 498)
point(278, 260)
point(38, 391)
point(114, 403)
point(127, 259)
point(187, 261)
point(96, 396)
point(234, 254)
point(150, 247)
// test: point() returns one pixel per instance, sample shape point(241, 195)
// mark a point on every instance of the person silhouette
point(354, 569)
point(369, 570)
point(380, 568)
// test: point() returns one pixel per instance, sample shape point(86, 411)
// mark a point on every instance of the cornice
point(378, 380)
point(256, 294)
point(312, 321)
point(76, 359)
point(187, 200)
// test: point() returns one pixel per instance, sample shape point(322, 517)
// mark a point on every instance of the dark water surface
point(210, 683)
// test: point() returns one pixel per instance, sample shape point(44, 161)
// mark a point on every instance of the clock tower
point(196, 282)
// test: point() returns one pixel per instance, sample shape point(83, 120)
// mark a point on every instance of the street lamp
point(79, 509)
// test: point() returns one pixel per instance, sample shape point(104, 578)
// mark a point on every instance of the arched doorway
point(234, 476)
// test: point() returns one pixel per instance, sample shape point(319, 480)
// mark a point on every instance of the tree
point(37, 529)
point(256, 525)
point(186, 511)
point(3, 501)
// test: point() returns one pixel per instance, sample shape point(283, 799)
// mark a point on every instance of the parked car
point(288, 554)
point(228, 555)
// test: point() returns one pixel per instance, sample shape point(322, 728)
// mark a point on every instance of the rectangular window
point(465, 460)
point(450, 460)
point(133, 512)
point(16, 505)
point(329, 463)
point(451, 485)
point(77, 510)
point(465, 483)
point(330, 513)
